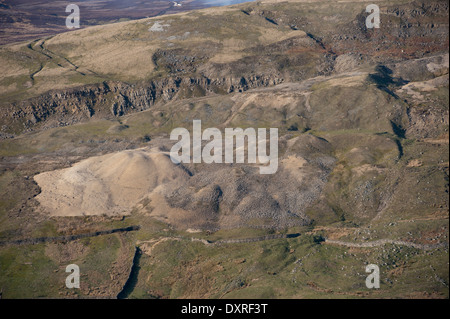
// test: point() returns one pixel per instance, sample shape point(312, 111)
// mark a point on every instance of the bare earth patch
point(105, 185)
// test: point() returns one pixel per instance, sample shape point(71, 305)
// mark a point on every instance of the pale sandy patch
point(294, 165)
point(105, 185)
point(361, 170)
point(348, 81)
point(415, 88)
point(414, 163)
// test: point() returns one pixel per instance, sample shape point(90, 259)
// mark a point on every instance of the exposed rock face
point(342, 84)
point(410, 29)
point(409, 32)
point(65, 107)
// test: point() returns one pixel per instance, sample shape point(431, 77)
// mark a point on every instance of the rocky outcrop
point(427, 122)
point(33, 241)
point(66, 107)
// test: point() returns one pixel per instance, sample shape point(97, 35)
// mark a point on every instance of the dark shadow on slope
point(133, 278)
point(270, 20)
point(398, 130)
point(399, 147)
point(385, 81)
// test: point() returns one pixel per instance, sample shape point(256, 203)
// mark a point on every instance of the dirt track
point(382, 242)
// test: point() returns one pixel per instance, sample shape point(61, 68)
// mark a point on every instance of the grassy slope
point(267, 271)
point(190, 269)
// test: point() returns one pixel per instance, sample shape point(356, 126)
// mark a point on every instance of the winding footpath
point(376, 243)
point(382, 242)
